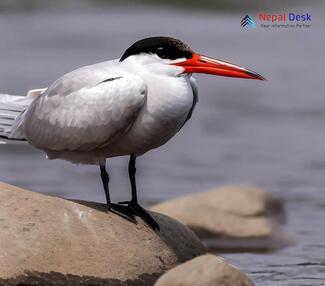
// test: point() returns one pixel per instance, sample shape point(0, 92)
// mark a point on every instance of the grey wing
point(85, 116)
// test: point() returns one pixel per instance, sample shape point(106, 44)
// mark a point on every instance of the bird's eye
point(160, 51)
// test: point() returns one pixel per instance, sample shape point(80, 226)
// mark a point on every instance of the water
point(271, 134)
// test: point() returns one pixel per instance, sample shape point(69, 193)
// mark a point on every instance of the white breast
point(169, 100)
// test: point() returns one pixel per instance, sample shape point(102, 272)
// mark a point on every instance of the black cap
point(164, 47)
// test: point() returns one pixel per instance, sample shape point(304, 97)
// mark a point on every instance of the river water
point(270, 134)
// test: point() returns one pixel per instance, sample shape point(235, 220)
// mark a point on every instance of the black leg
point(125, 211)
point(105, 179)
point(133, 204)
point(132, 171)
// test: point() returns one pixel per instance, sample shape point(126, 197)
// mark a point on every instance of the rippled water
point(271, 134)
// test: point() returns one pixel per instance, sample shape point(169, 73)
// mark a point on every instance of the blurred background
point(270, 134)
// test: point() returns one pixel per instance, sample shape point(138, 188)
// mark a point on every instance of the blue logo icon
point(248, 21)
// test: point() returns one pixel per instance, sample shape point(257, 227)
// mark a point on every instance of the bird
point(122, 107)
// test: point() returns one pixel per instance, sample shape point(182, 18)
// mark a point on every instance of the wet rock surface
point(205, 270)
point(46, 240)
point(230, 218)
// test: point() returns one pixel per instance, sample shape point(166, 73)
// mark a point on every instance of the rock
point(230, 217)
point(205, 270)
point(46, 240)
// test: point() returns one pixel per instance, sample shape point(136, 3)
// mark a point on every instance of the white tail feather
point(12, 108)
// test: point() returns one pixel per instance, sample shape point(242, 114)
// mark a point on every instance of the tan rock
point(228, 212)
point(205, 270)
point(45, 238)
point(238, 200)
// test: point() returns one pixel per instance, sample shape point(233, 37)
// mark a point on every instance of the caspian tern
point(126, 106)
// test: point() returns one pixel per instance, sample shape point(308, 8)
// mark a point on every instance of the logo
point(248, 21)
point(278, 20)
